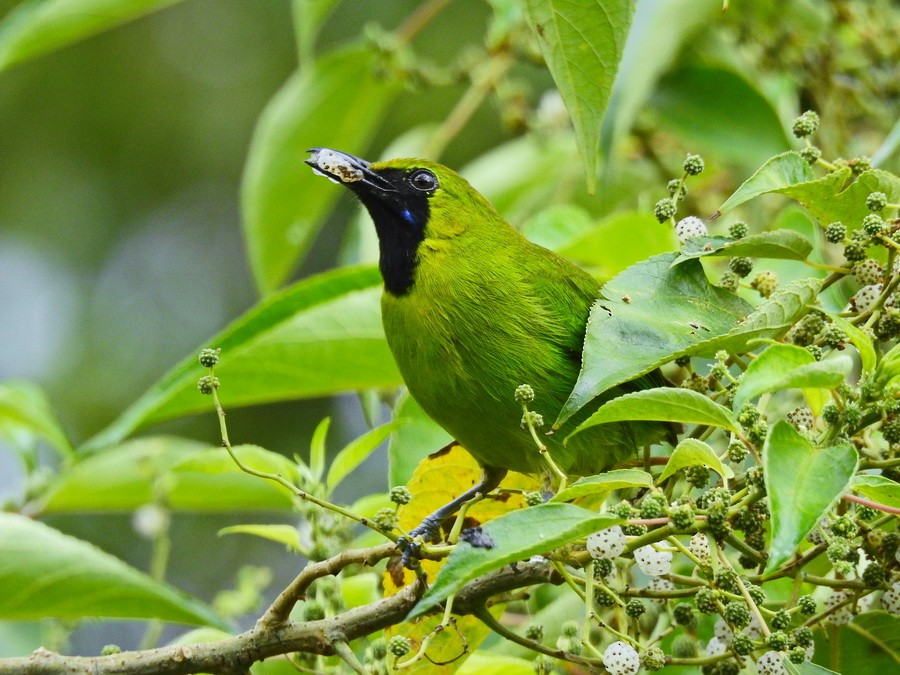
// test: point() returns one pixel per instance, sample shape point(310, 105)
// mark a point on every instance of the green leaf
point(717, 110)
point(210, 482)
point(335, 103)
point(24, 407)
point(486, 663)
point(790, 367)
point(802, 483)
point(805, 668)
point(779, 244)
point(878, 489)
point(782, 171)
point(413, 441)
point(309, 15)
point(652, 312)
point(691, 452)
point(880, 632)
point(357, 451)
point(37, 27)
point(841, 197)
point(665, 404)
point(516, 535)
point(617, 479)
point(283, 534)
point(860, 340)
point(321, 336)
point(121, 478)
point(582, 43)
point(45, 573)
point(658, 30)
point(317, 449)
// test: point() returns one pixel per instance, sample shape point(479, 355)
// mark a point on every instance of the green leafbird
point(471, 310)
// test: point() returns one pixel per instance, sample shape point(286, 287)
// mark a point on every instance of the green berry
point(653, 505)
point(755, 478)
point(664, 209)
point(385, 519)
point(524, 393)
point(748, 415)
point(570, 629)
point(634, 608)
point(758, 432)
point(876, 201)
point(682, 515)
point(737, 452)
point(865, 513)
point(742, 645)
point(838, 549)
point(683, 361)
point(854, 251)
point(777, 641)
point(672, 188)
point(873, 224)
point(737, 614)
point(208, 384)
point(797, 655)
point(874, 575)
point(313, 611)
point(781, 620)
point(756, 593)
point(888, 326)
point(209, 357)
point(534, 498)
point(741, 266)
point(706, 600)
point(844, 527)
point(604, 598)
point(603, 567)
point(835, 233)
point(532, 419)
point(108, 650)
point(400, 494)
point(399, 645)
point(806, 124)
point(377, 651)
point(807, 605)
point(684, 647)
point(738, 230)
point(860, 164)
point(811, 154)
point(697, 475)
point(535, 632)
point(653, 659)
point(727, 580)
point(803, 635)
point(683, 614)
point(729, 281)
point(835, 338)
point(765, 283)
point(816, 351)
point(693, 165)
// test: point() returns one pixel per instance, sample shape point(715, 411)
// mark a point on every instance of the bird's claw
point(411, 543)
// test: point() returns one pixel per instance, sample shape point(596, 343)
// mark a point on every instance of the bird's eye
point(423, 180)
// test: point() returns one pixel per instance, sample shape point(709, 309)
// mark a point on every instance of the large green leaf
point(121, 478)
point(651, 312)
point(514, 536)
point(24, 408)
point(36, 27)
point(717, 110)
point(322, 335)
point(603, 483)
point(783, 170)
point(45, 573)
point(582, 42)
point(878, 488)
point(779, 244)
point(356, 452)
point(309, 15)
point(802, 483)
point(790, 367)
point(840, 196)
point(413, 441)
point(666, 404)
point(691, 452)
point(335, 103)
point(657, 33)
point(211, 482)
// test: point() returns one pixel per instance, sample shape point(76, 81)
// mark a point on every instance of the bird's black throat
point(400, 220)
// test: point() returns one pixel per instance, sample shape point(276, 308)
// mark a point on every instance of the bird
point(472, 310)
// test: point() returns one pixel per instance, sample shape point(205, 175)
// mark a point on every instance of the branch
point(274, 634)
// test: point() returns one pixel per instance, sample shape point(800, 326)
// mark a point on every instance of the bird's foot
point(411, 543)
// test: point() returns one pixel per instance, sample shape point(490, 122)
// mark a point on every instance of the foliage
point(766, 532)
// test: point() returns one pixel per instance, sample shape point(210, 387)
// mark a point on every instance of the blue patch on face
point(408, 217)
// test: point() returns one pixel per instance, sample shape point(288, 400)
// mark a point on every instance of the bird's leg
point(490, 479)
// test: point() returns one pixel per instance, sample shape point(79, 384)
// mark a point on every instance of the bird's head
point(410, 200)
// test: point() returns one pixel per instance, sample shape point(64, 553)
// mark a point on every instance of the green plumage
point(472, 309)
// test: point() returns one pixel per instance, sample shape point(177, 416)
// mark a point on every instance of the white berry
point(723, 631)
point(716, 646)
point(608, 543)
point(620, 658)
point(868, 271)
point(653, 563)
point(770, 664)
point(658, 584)
point(865, 297)
point(842, 616)
point(699, 546)
point(753, 630)
point(690, 227)
point(890, 600)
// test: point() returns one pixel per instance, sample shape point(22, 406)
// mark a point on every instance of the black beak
point(346, 169)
